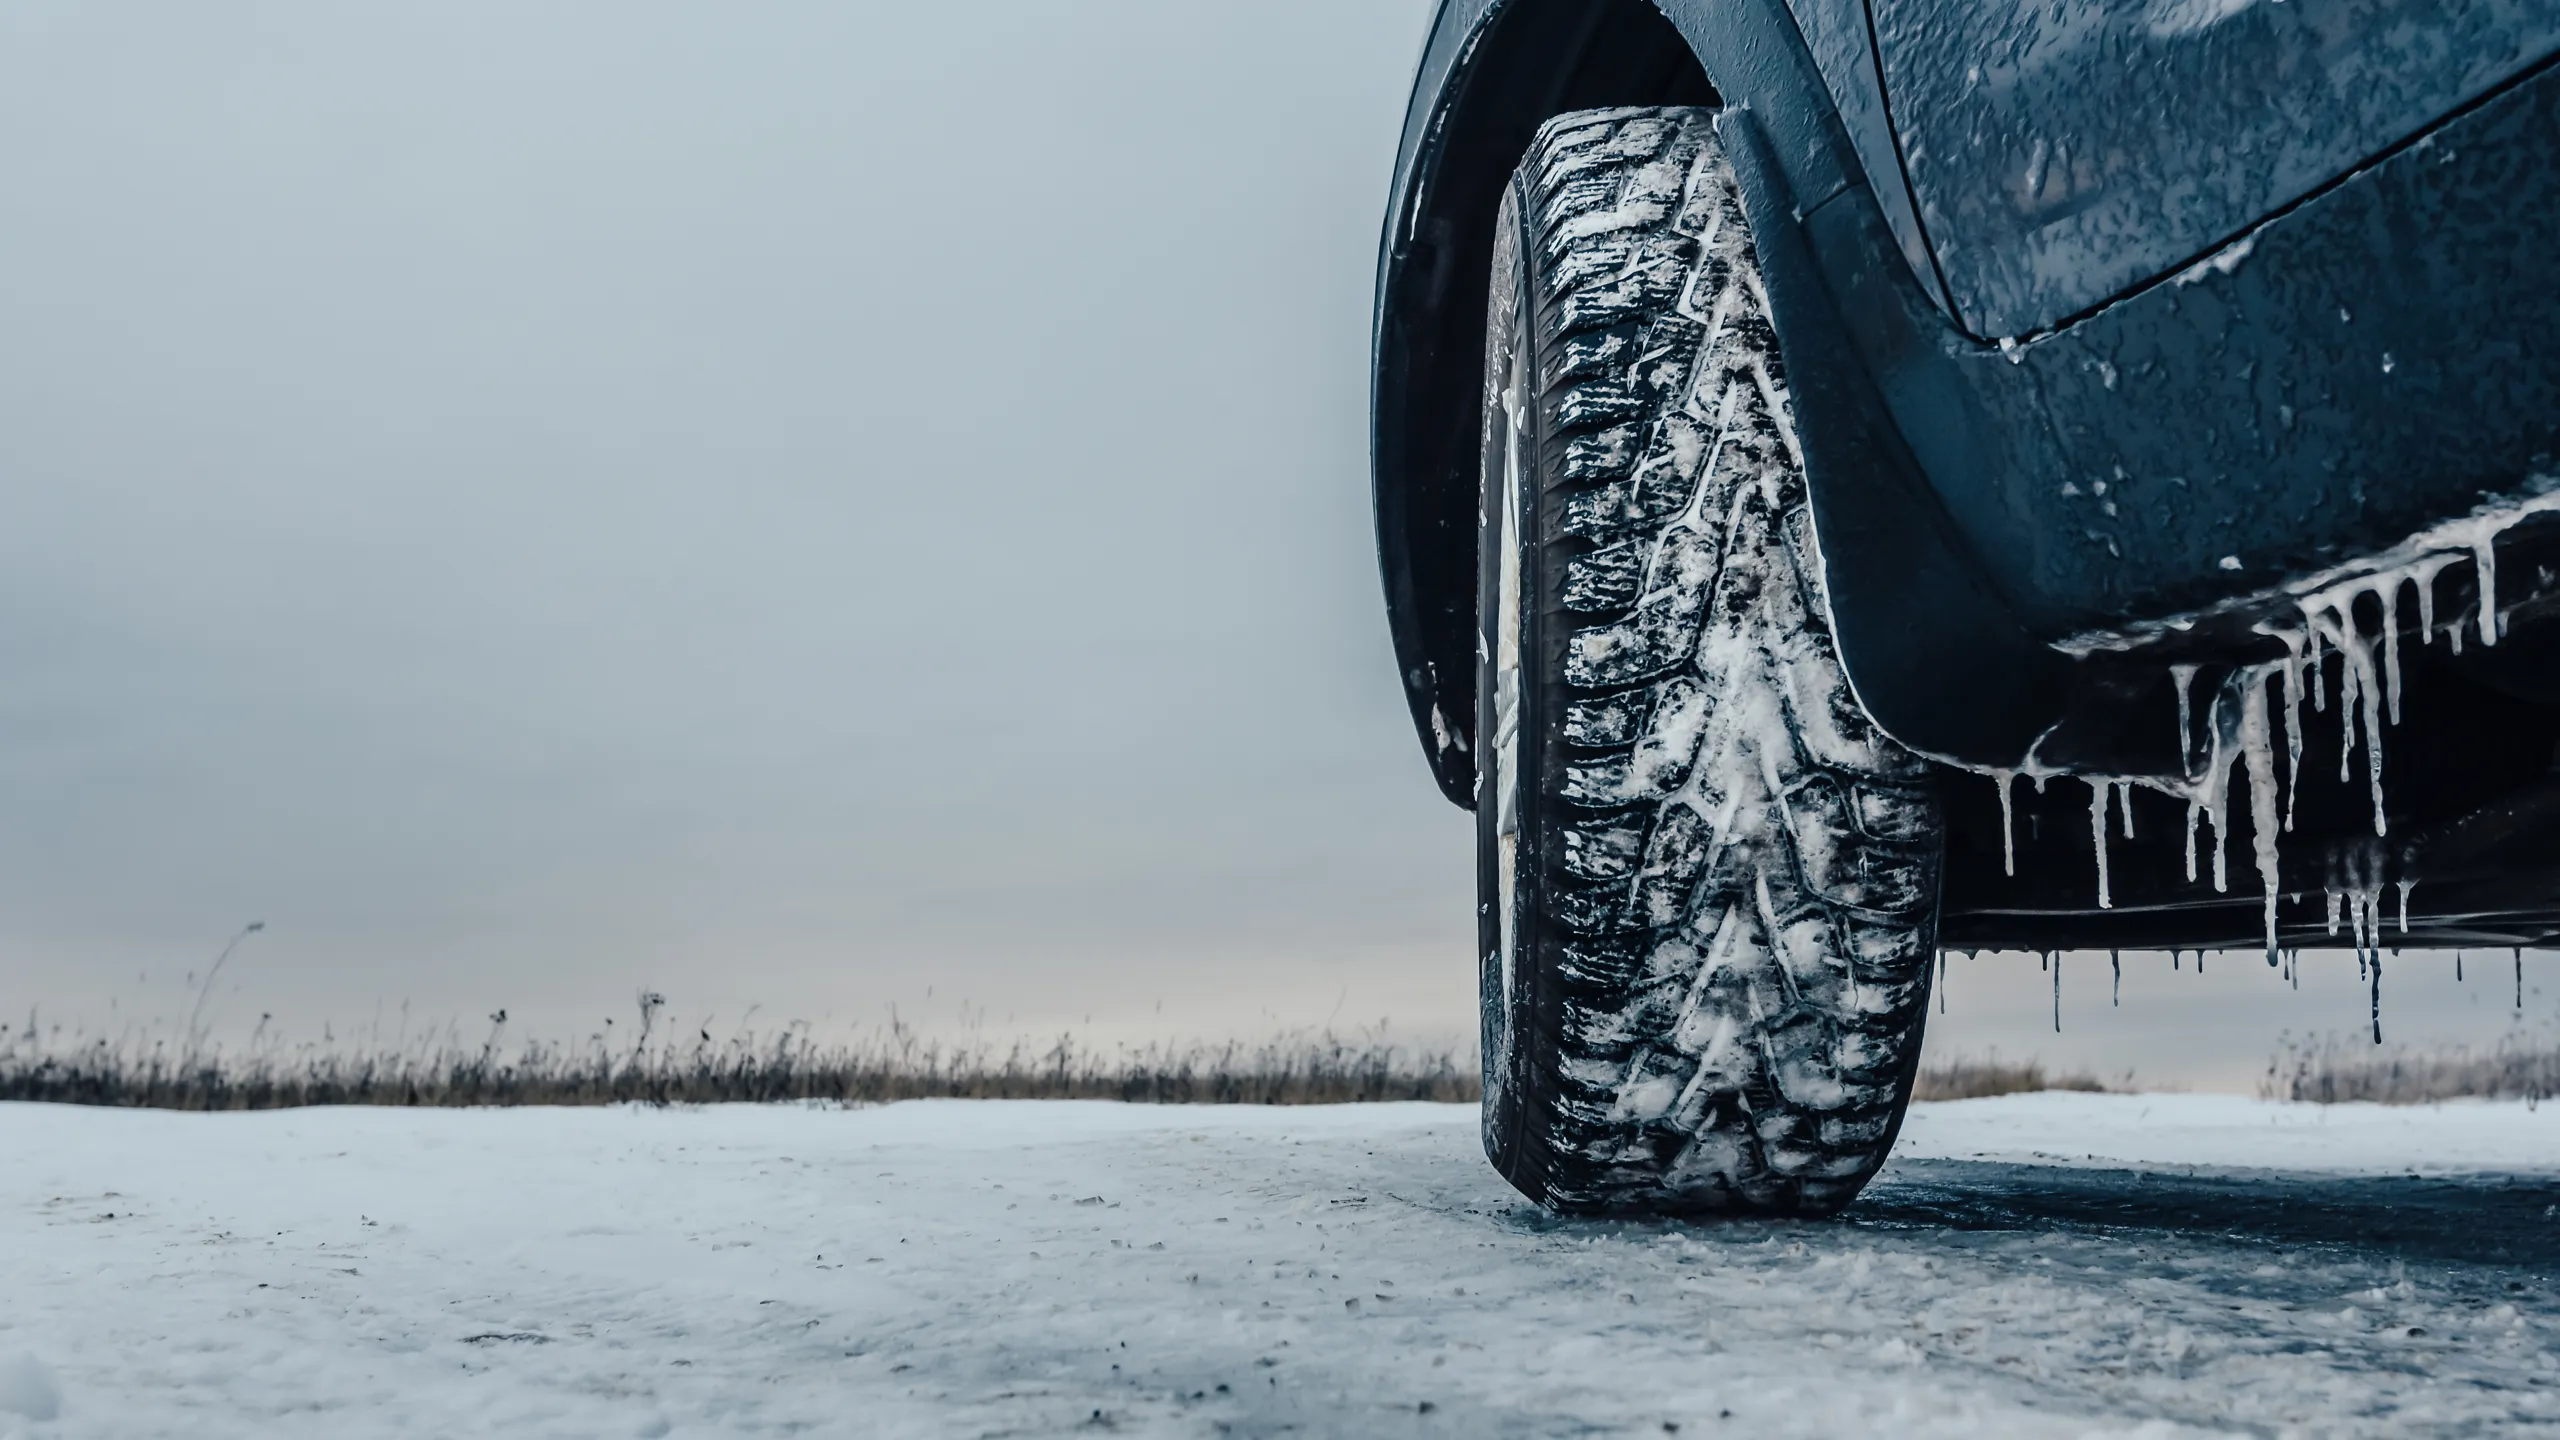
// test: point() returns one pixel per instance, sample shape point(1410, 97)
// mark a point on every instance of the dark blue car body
point(2101, 316)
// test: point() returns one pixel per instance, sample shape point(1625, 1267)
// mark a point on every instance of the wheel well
point(1537, 59)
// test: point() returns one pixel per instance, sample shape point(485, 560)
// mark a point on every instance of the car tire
point(1708, 883)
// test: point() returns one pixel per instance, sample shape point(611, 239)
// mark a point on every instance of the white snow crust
point(2055, 1265)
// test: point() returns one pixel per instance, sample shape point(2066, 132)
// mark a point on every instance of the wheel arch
point(1491, 72)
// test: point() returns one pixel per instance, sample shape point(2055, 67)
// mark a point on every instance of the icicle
point(2372, 686)
point(2390, 592)
point(2213, 794)
point(2377, 995)
point(2405, 887)
point(2173, 959)
point(1942, 982)
point(2115, 966)
point(2334, 898)
point(2185, 676)
point(2366, 907)
point(2359, 696)
point(2457, 967)
point(2008, 822)
point(2484, 559)
point(2258, 747)
point(2519, 980)
point(2218, 810)
point(2373, 752)
point(2057, 992)
point(2292, 724)
point(2099, 790)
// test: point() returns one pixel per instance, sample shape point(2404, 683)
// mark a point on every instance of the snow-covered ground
point(2033, 1266)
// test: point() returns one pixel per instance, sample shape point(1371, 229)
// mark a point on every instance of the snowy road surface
point(2033, 1266)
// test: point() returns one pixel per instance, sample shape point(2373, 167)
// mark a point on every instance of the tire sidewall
point(1508, 995)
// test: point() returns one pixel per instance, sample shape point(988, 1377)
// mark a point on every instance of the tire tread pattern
point(1738, 872)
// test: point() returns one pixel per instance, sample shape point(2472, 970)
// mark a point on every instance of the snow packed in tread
point(1744, 870)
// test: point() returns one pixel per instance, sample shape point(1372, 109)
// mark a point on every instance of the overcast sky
point(794, 504)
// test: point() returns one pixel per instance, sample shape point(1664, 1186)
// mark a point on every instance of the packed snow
point(2039, 1265)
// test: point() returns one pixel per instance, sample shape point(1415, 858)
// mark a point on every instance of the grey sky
point(790, 502)
point(795, 504)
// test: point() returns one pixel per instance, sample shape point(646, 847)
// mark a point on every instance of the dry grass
point(659, 1068)
point(2332, 1071)
point(1982, 1079)
point(657, 1065)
